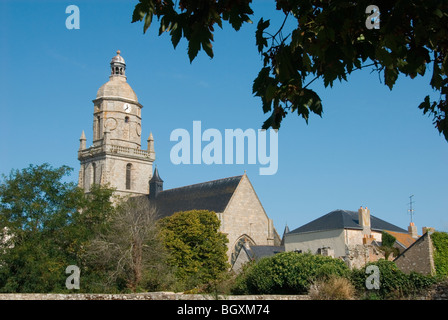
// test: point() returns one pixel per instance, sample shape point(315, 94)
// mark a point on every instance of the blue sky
point(372, 147)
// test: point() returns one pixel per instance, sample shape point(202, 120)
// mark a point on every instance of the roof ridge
point(202, 183)
point(345, 219)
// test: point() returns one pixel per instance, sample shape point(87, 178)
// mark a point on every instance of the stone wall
point(142, 296)
point(418, 257)
point(359, 255)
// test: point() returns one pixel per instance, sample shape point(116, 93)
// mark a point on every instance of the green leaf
point(270, 92)
point(438, 13)
point(425, 105)
point(193, 48)
point(390, 76)
point(261, 41)
point(436, 79)
point(274, 119)
point(314, 102)
point(139, 12)
point(208, 48)
point(176, 35)
point(148, 20)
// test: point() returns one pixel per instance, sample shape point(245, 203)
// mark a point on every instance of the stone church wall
point(245, 215)
point(112, 170)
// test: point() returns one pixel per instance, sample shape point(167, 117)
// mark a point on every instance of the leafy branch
point(330, 42)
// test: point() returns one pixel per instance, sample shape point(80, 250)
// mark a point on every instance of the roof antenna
point(410, 210)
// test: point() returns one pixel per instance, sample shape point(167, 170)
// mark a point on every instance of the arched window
point(128, 176)
point(126, 120)
point(243, 240)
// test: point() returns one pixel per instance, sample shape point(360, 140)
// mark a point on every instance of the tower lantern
point(118, 65)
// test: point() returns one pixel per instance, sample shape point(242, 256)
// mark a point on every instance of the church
point(116, 157)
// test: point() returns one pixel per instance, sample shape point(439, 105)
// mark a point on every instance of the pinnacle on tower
point(82, 141)
point(150, 143)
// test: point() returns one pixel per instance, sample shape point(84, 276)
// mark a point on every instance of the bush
point(394, 283)
point(287, 273)
point(334, 288)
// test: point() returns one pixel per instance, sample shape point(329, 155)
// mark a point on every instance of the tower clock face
point(127, 107)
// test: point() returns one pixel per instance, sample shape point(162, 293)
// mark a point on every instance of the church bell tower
point(115, 156)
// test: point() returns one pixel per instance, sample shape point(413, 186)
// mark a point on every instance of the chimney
point(364, 220)
point(412, 230)
point(428, 229)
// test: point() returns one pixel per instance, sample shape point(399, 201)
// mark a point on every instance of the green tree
point(197, 249)
point(129, 251)
point(41, 228)
point(387, 245)
point(330, 41)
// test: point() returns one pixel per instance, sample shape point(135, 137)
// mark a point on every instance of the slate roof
point(211, 195)
point(156, 176)
point(258, 252)
point(344, 219)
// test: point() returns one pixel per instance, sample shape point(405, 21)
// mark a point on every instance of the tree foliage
point(440, 243)
point(288, 273)
point(197, 248)
point(331, 41)
point(387, 245)
point(394, 283)
point(42, 230)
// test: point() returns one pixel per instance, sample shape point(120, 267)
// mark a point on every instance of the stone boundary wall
point(142, 296)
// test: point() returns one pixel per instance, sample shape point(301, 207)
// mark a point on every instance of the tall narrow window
point(94, 172)
point(128, 176)
point(98, 127)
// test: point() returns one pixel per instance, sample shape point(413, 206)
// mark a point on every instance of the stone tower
point(115, 156)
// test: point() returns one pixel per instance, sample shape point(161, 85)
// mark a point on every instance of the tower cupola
point(118, 65)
